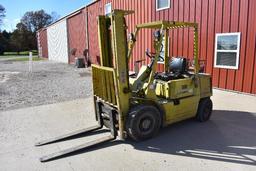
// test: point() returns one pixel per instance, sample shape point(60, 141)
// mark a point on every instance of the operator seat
point(178, 66)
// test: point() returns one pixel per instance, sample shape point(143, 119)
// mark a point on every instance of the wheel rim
point(146, 125)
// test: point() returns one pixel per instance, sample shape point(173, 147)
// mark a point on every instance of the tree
point(2, 13)
point(22, 39)
point(5, 41)
point(24, 36)
point(35, 20)
point(6, 34)
point(3, 44)
point(17, 40)
point(55, 16)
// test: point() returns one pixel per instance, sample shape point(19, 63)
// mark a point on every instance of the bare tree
point(35, 20)
point(55, 16)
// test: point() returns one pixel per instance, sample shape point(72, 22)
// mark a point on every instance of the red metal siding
point(243, 29)
point(192, 17)
point(93, 11)
point(210, 36)
point(225, 29)
point(218, 29)
point(254, 55)
point(213, 16)
point(77, 35)
point(204, 31)
point(250, 46)
point(186, 30)
point(42, 43)
point(141, 15)
point(234, 23)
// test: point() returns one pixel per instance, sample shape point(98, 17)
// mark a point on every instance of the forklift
point(137, 105)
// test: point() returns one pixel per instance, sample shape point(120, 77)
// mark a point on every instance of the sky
point(15, 9)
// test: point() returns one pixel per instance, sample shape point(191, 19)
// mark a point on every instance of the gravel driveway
point(50, 82)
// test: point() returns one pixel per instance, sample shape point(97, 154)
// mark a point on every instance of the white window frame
point(163, 42)
point(158, 9)
point(106, 5)
point(237, 51)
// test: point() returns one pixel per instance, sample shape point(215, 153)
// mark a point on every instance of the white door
point(58, 41)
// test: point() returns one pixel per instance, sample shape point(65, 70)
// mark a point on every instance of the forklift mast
point(110, 84)
point(111, 78)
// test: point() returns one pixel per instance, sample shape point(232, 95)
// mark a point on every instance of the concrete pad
point(226, 142)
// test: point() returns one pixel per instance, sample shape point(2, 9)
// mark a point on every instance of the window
point(227, 47)
point(108, 9)
point(162, 4)
point(161, 60)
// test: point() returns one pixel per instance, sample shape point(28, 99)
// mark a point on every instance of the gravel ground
point(50, 82)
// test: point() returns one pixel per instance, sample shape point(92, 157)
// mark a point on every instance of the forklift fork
point(86, 145)
point(68, 135)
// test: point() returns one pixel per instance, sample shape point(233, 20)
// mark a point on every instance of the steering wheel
point(161, 58)
point(152, 55)
point(149, 54)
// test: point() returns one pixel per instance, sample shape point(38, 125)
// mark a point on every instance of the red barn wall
point(217, 16)
point(143, 14)
point(213, 16)
point(93, 11)
point(42, 43)
point(77, 34)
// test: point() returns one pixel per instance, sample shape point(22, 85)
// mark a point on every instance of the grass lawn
point(21, 56)
point(35, 58)
point(2, 57)
point(21, 53)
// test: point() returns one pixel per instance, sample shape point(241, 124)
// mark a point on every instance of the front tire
point(143, 122)
point(204, 110)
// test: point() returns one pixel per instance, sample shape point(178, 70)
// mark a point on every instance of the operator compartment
point(177, 83)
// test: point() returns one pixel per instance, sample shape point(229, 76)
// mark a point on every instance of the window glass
point(108, 8)
point(162, 4)
point(227, 50)
point(227, 42)
point(226, 58)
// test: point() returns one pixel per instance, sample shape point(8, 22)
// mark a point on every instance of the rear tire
point(143, 122)
point(204, 110)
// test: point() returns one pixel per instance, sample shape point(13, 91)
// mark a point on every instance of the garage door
point(42, 43)
point(57, 42)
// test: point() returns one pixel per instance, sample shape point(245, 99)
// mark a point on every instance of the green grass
point(15, 56)
point(21, 53)
point(11, 56)
point(35, 58)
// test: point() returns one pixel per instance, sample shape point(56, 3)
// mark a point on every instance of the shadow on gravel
point(229, 136)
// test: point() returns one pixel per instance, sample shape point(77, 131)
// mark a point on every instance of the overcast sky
point(16, 8)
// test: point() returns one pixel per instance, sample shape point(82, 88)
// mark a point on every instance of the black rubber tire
point(143, 122)
point(204, 110)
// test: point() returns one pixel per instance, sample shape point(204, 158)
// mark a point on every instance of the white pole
point(30, 62)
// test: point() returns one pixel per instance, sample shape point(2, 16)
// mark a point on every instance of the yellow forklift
point(137, 105)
